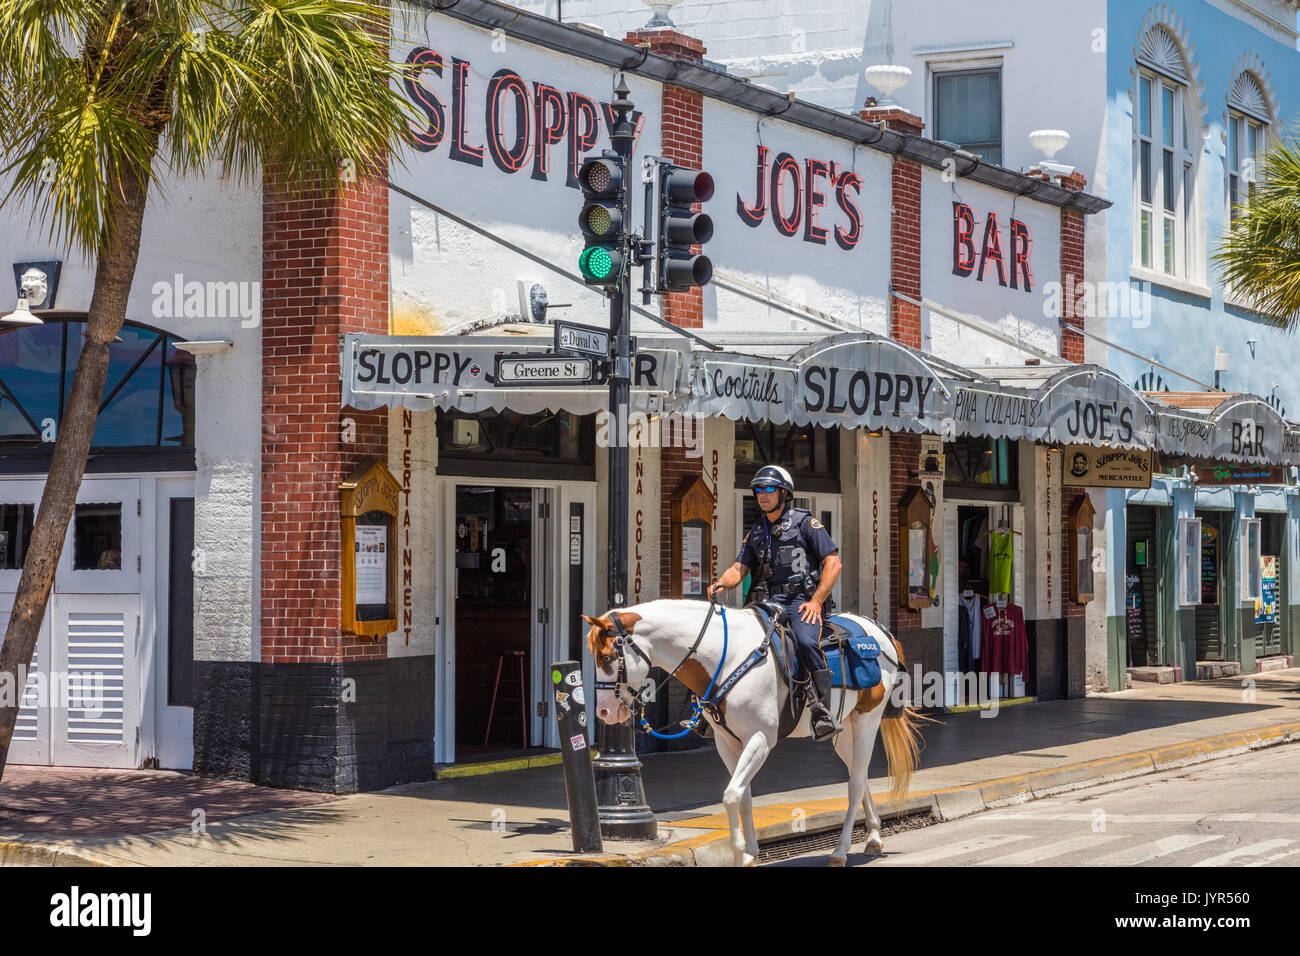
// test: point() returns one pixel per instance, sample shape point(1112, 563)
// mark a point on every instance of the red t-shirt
point(1006, 644)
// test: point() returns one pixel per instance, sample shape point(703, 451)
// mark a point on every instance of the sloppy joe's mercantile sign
point(1092, 466)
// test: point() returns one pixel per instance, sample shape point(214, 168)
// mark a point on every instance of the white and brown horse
point(664, 631)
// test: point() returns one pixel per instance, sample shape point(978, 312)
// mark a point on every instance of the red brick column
point(682, 142)
point(905, 326)
point(1072, 265)
point(324, 273)
point(904, 228)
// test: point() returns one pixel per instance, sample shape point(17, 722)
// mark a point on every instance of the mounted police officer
point(794, 554)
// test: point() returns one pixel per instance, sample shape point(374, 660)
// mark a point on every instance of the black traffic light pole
point(620, 794)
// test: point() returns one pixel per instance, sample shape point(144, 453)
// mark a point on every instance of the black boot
point(819, 694)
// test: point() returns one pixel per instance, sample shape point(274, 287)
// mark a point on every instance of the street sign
point(532, 370)
point(583, 339)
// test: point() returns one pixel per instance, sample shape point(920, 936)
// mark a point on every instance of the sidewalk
point(78, 817)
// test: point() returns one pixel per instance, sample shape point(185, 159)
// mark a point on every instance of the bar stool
point(518, 684)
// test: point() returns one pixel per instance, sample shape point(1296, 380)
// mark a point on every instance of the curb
point(784, 821)
point(452, 771)
point(17, 853)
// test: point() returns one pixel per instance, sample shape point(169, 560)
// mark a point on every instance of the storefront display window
point(982, 464)
point(556, 438)
point(1189, 561)
point(810, 453)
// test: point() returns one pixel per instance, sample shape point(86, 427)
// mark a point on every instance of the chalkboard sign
point(1209, 564)
point(1135, 622)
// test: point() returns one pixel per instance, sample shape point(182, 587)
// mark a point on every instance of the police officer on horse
point(792, 552)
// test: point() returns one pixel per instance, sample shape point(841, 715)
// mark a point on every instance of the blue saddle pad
point(862, 653)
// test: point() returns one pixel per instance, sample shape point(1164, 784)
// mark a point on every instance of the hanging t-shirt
point(1000, 559)
point(1005, 632)
point(969, 607)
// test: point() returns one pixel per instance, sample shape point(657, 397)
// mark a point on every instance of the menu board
point(1266, 606)
point(692, 562)
point(372, 564)
point(1209, 564)
point(1135, 625)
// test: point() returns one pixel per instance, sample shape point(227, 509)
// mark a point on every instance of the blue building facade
point(1196, 94)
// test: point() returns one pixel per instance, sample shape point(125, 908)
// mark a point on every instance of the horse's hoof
point(837, 861)
point(875, 846)
point(747, 860)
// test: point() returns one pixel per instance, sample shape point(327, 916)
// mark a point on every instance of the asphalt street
point(1237, 812)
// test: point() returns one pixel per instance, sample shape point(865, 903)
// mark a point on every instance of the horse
point(660, 634)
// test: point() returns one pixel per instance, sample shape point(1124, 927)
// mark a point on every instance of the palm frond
point(1260, 255)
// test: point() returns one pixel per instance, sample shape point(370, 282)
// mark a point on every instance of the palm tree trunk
point(114, 272)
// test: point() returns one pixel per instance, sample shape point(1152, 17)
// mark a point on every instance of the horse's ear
point(592, 621)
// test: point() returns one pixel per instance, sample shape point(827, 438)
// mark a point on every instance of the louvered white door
point(19, 499)
point(95, 717)
point(31, 740)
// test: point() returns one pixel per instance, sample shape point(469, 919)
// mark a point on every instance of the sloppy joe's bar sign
point(455, 372)
point(851, 380)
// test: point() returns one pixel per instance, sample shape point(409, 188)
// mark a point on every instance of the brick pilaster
point(682, 142)
point(324, 273)
point(1072, 273)
point(904, 227)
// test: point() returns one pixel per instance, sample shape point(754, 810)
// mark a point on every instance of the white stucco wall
point(848, 284)
point(202, 230)
point(444, 274)
point(1028, 316)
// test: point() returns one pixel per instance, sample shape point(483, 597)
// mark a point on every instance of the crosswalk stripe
point(1060, 848)
point(1254, 849)
point(1274, 858)
point(1144, 852)
point(960, 848)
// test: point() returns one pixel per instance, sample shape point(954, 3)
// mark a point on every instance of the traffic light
point(679, 268)
point(601, 222)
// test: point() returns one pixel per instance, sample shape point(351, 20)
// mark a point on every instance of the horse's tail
point(901, 733)
point(902, 738)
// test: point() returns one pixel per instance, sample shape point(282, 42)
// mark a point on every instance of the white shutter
point(27, 729)
point(96, 669)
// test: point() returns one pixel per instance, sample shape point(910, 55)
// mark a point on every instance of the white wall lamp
point(37, 283)
point(1220, 365)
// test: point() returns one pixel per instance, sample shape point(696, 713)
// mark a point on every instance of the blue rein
point(698, 704)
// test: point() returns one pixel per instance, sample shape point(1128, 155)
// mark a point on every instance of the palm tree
point(1260, 255)
point(106, 96)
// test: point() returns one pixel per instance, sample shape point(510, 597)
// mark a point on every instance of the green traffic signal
point(600, 264)
point(601, 221)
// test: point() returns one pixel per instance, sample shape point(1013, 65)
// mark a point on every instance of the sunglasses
point(766, 489)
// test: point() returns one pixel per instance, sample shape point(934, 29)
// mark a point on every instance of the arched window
point(1249, 120)
point(1165, 133)
point(148, 398)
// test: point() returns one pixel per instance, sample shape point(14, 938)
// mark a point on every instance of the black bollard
point(575, 750)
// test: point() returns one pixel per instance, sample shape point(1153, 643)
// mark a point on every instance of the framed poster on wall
point(1188, 558)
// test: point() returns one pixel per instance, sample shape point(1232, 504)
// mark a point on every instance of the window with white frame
point(1248, 124)
point(1164, 162)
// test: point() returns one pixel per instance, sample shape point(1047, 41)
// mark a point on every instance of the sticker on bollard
point(579, 775)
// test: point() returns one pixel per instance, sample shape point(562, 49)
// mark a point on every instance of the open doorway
point(494, 616)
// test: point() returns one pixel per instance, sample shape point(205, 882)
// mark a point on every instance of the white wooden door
point(19, 499)
point(95, 721)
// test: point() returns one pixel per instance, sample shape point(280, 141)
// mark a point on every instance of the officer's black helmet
point(773, 475)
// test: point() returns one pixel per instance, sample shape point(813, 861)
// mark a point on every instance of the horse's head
point(614, 706)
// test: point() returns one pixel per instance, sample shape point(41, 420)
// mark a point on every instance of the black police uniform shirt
point(797, 544)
